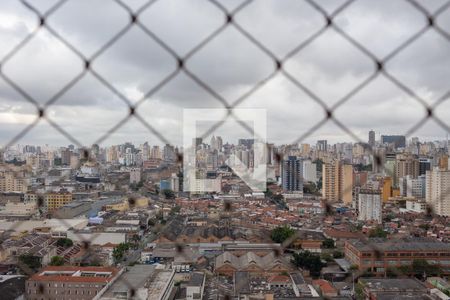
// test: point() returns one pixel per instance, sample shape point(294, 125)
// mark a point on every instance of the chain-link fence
point(131, 14)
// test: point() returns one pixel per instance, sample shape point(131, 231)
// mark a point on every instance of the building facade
point(292, 174)
point(377, 255)
point(65, 282)
point(337, 181)
point(438, 191)
point(369, 205)
point(55, 200)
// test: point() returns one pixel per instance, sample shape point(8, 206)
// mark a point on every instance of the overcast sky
point(330, 67)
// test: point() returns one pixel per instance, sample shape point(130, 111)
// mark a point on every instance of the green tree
point(424, 226)
point(391, 272)
point(31, 261)
point(359, 291)
point(420, 267)
point(57, 261)
point(64, 242)
point(377, 232)
point(326, 257)
point(168, 194)
point(328, 244)
point(175, 210)
point(119, 251)
point(281, 233)
point(309, 261)
point(338, 254)
point(268, 193)
point(367, 273)
point(309, 188)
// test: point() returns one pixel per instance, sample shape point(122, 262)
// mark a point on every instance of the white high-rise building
point(438, 191)
point(175, 183)
point(135, 175)
point(412, 187)
point(369, 205)
point(309, 171)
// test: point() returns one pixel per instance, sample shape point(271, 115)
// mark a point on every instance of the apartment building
point(376, 255)
point(369, 205)
point(438, 191)
point(55, 200)
point(337, 181)
point(67, 282)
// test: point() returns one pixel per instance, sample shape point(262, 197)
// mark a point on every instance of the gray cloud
point(230, 64)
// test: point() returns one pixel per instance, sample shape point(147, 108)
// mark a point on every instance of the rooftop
point(393, 284)
point(407, 244)
point(12, 287)
point(135, 277)
point(159, 284)
point(196, 279)
point(75, 274)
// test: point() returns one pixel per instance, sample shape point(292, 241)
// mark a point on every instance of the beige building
point(55, 200)
point(19, 209)
point(437, 191)
point(11, 183)
point(337, 181)
point(406, 164)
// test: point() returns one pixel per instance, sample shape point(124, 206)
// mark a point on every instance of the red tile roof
point(67, 278)
point(325, 286)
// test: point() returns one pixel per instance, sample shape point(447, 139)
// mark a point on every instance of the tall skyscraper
point(399, 141)
point(169, 154)
point(155, 152)
point(346, 183)
point(65, 156)
point(337, 181)
point(145, 151)
point(424, 165)
point(309, 171)
point(444, 162)
point(372, 138)
point(213, 143)
point(438, 191)
point(322, 145)
point(406, 164)
point(219, 142)
point(369, 205)
point(248, 143)
point(292, 174)
point(135, 175)
point(330, 181)
point(412, 187)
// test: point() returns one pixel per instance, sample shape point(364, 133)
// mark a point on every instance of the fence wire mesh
point(87, 64)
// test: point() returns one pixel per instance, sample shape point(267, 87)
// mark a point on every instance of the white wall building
point(412, 187)
point(135, 175)
point(175, 183)
point(438, 191)
point(416, 206)
point(309, 171)
point(369, 206)
point(18, 209)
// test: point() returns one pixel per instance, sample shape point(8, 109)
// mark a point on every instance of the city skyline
point(313, 142)
point(224, 149)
